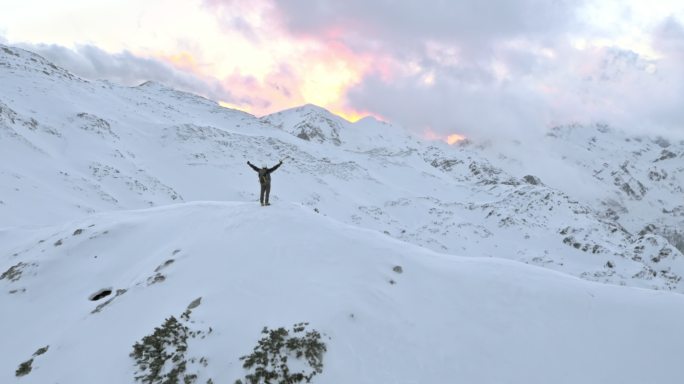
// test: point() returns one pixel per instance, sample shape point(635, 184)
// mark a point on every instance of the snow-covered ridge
point(436, 316)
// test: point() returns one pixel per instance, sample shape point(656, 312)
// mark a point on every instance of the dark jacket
point(264, 173)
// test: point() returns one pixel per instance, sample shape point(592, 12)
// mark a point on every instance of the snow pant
point(265, 191)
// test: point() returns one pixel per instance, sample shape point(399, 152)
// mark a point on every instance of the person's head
point(263, 166)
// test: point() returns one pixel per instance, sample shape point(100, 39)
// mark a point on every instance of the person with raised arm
point(264, 180)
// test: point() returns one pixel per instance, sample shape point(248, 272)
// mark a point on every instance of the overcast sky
point(477, 68)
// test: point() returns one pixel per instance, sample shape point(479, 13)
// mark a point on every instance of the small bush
point(167, 344)
point(27, 366)
point(14, 272)
point(24, 368)
point(41, 351)
point(268, 362)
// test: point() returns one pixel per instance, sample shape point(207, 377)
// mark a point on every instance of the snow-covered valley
point(507, 274)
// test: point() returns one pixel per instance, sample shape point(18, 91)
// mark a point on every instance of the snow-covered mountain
point(145, 193)
point(637, 181)
point(308, 122)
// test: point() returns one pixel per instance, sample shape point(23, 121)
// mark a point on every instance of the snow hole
point(100, 294)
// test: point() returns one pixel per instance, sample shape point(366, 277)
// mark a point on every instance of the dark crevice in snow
point(102, 293)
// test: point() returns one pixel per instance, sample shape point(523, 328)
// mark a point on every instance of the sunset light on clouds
point(464, 67)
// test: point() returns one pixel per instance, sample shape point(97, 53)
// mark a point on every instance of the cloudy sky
point(435, 66)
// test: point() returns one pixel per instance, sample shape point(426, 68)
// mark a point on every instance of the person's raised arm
point(253, 166)
point(276, 167)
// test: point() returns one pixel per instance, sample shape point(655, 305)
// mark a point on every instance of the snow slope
point(444, 318)
point(637, 181)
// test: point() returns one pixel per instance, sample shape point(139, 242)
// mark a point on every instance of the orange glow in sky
point(320, 75)
point(454, 138)
point(451, 139)
point(256, 67)
point(182, 60)
point(351, 115)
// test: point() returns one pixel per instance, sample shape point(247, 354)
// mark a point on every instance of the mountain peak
point(305, 110)
point(313, 108)
point(309, 122)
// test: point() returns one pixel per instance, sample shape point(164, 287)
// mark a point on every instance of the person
point(265, 180)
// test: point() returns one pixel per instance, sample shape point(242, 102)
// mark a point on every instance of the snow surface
point(102, 185)
point(445, 318)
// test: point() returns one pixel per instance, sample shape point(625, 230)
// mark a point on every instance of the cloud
point(470, 25)
point(445, 66)
point(523, 99)
point(498, 68)
point(126, 68)
point(457, 100)
point(669, 38)
point(253, 19)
